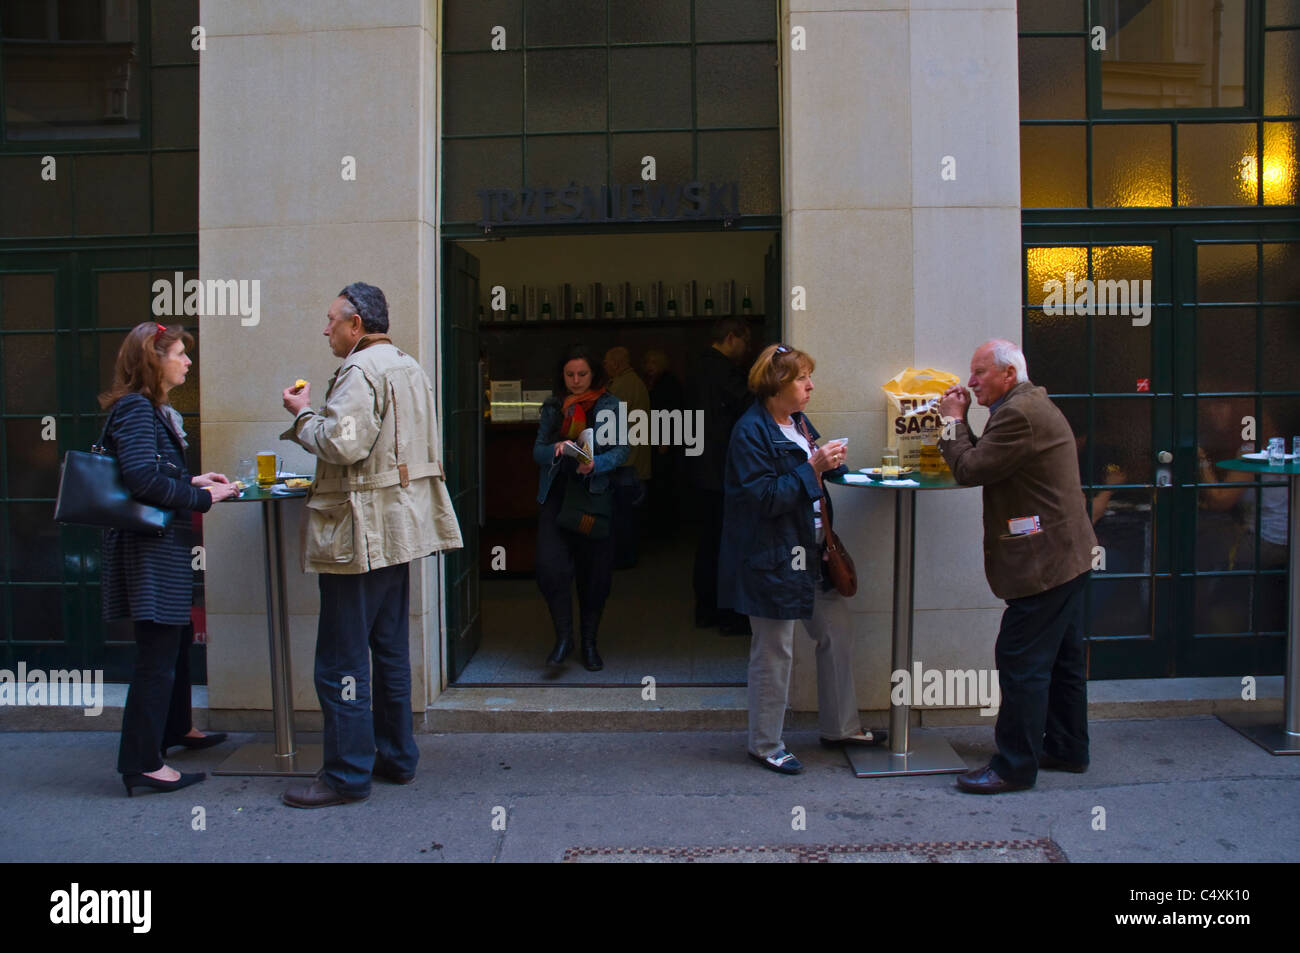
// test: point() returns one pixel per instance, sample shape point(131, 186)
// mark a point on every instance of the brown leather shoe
point(1050, 763)
point(316, 794)
point(987, 781)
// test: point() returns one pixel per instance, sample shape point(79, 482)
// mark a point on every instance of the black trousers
point(157, 708)
point(708, 505)
point(1042, 676)
point(562, 559)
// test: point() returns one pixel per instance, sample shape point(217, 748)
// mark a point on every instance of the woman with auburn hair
point(772, 518)
point(146, 578)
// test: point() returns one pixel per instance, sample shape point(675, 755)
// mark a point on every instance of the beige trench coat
point(379, 497)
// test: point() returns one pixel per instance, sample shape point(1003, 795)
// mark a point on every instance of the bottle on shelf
point(609, 305)
point(708, 302)
point(638, 309)
point(746, 305)
point(670, 306)
point(579, 312)
point(546, 306)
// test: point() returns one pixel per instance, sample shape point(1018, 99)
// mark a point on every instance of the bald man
point(1038, 550)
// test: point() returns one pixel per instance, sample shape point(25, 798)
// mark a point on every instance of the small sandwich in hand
point(299, 384)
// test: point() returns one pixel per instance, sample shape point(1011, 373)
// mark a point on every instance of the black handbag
point(91, 493)
point(583, 512)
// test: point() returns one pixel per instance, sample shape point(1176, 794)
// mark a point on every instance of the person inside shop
point(632, 480)
point(771, 565)
point(666, 394)
point(718, 386)
point(575, 535)
point(149, 579)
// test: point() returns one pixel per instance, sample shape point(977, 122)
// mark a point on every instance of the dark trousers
point(562, 559)
point(367, 718)
point(157, 708)
point(629, 498)
point(708, 504)
point(1042, 676)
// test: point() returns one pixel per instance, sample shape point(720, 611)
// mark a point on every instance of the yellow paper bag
point(910, 422)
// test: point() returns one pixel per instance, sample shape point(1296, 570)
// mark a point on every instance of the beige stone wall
point(288, 90)
point(901, 268)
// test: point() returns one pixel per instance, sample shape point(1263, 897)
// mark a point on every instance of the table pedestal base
point(260, 760)
point(928, 754)
point(1265, 729)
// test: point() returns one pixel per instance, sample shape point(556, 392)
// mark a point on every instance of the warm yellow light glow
point(1276, 172)
point(1053, 264)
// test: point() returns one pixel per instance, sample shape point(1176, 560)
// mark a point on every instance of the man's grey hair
point(368, 302)
point(1007, 354)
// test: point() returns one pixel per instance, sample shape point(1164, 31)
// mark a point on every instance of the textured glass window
point(1282, 271)
point(32, 467)
point(566, 90)
point(1282, 73)
point(1281, 183)
point(122, 300)
point(1053, 166)
point(1053, 264)
point(1050, 15)
point(112, 194)
point(1056, 341)
point(1121, 608)
point(1280, 328)
point(1214, 163)
point(565, 22)
point(671, 151)
point(635, 21)
point(563, 160)
point(1225, 350)
point(1130, 166)
point(71, 70)
point(1053, 82)
point(469, 26)
point(29, 387)
point(736, 85)
point(473, 164)
point(751, 159)
point(1283, 12)
point(26, 302)
point(483, 94)
point(650, 88)
point(721, 21)
point(1226, 272)
point(1121, 357)
point(175, 118)
point(175, 192)
point(1173, 54)
point(1124, 425)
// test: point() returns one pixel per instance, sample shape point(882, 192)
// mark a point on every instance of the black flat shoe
point(591, 659)
point(561, 651)
point(133, 781)
point(207, 741)
point(1052, 763)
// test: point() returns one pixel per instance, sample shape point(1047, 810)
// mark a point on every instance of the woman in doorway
point(148, 579)
point(575, 493)
point(771, 516)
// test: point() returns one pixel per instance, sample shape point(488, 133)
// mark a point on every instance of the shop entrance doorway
point(510, 308)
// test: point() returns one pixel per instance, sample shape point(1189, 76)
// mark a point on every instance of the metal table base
point(910, 752)
point(1264, 729)
point(284, 758)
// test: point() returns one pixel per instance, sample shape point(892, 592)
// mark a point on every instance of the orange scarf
point(576, 409)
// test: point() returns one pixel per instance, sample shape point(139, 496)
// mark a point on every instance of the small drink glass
point(1276, 452)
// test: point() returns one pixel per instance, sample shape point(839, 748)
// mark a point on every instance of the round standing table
point(284, 758)
point(909, 752)
point(1263, 728)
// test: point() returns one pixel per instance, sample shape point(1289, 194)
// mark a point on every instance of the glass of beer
point(266, 468)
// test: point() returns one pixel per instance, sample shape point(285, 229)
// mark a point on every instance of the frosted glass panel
point(566, 90)
point(483, 94)
point(737, 85)
point(1052, 78)
point(1053, 167)
point(1130, 166)
point(1215, 164)
point(651, 88)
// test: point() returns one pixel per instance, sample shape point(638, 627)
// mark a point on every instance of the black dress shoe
point(987, 781)
point(1051, 763)
point(207, 741)
point(133, 781)
point(388, 773)
point(591, 659)
point(561, 651)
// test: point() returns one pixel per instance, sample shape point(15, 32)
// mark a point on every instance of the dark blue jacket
point(769, 493)
point(149, 578)
point(609, 456)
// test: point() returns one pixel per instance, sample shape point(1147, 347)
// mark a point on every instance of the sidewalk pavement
point(1172, 789)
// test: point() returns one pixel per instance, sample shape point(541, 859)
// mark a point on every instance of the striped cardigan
point(148, 578)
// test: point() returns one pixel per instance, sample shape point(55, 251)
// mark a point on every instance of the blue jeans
point(361, 616)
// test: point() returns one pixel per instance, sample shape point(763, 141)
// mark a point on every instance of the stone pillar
point(901, 266)
point(290, 92)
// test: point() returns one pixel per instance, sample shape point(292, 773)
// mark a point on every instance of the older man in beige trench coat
point(379, 500)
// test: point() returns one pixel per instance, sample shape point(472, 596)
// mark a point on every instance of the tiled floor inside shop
point(648, 629)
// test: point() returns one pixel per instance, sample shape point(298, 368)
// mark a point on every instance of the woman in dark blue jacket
point(145, 578)
point(770, 564)
point(563, 555)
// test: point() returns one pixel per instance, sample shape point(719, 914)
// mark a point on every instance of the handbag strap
point(827, 513)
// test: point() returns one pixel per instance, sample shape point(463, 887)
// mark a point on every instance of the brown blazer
point(1028, 465)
